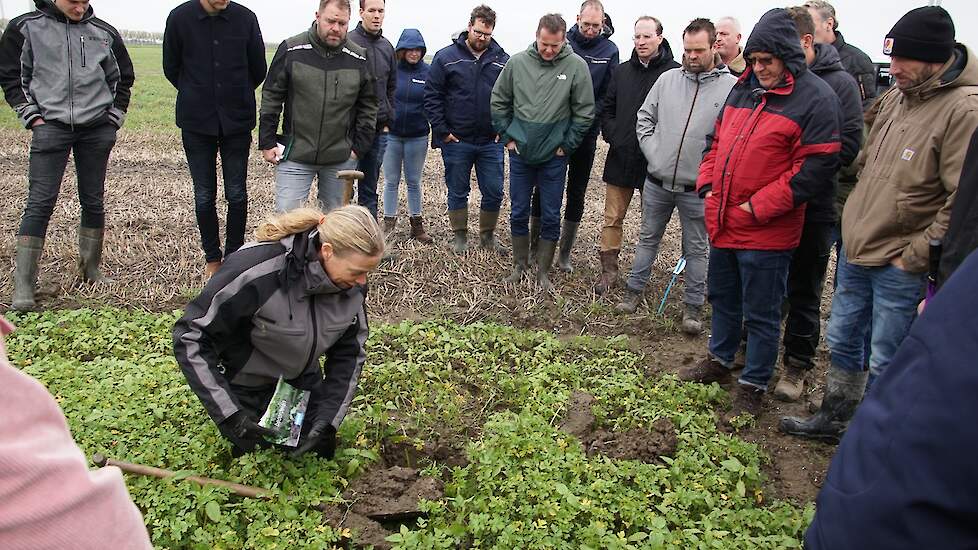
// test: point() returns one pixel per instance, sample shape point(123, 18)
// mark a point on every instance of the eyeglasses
point(764, 61)
point(590, 26)
point(480, 34)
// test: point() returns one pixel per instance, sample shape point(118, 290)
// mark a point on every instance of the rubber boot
point(459, 221)
point(609, 271)
point(25, 272)
point(567, 237)
point(521, 258)
point(843, 392)
point(90, 254)
point(545, 258)
point(417, 230)
point(487, 232)
point(534, 238)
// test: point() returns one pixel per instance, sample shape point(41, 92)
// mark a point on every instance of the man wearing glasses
point(775, 146)
point(456, 102)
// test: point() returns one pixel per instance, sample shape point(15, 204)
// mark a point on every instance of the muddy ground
point(153, 254)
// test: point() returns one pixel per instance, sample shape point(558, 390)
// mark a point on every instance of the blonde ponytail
point(347, 229)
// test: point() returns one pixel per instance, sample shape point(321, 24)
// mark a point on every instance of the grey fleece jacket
point(679, 112)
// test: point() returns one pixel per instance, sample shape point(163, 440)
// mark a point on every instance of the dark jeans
point(50, 146)
point(488, 160)
point(370, 166)
point(578, 175)
point(806, 279)
point(523, 179)
point(202, 150)
point(746, 288)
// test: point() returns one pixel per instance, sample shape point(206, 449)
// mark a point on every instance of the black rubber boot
point(459, 221)
point(90, 254)
point(25, 272)
point(567, 237)
point(545, 258)
point(843, 392)
point(521, 258)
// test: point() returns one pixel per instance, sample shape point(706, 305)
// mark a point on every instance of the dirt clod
point(645, 445)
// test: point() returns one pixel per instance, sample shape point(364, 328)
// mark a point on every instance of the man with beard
point(908, 179)
point(590, 38)
point(325, 128)
point(624, 169)
point(456, 102)
point(679, 112)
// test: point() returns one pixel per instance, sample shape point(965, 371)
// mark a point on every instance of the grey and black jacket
point(328, 97)
point(67, 72)
point(272, 311)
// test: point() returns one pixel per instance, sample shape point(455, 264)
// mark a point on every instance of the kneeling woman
point(273, 310)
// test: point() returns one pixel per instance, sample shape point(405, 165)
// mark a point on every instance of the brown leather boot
point(609, 271)
point(417, 230)
point(211, 268)
point(707, 371)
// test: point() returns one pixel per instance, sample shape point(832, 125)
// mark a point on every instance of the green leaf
point(213, 511)
point(741, 488)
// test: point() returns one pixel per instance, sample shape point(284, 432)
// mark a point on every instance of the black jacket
point(215, 63)
point(822, 208)
point(962, 232)
point(383, 67)
point(270, 312)
point(860, 66)
point(630, 84)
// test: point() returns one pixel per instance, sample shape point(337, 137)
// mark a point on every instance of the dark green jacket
point(328, 97)
point(543, 105)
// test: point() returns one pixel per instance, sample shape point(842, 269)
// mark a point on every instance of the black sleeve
point(127, 74)
point(962, 232)
point(273, 96)
point(366, 108)
point(852, 120)
point(172, 52)
point(257, 66)
point(609, 108)
point(11, 47)
point(344, 361)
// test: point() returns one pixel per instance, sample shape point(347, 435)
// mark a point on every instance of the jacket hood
point(665, 56)
point(302, 265)
point(960, 70)
point(776, 34)
point(48, 7)
point(565, 51)
point(575, 34)
point(826, 59)
point(609, 27)
point(411, 39)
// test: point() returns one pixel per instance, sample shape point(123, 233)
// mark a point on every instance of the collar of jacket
point(574, 34)
point(411, 67)
point(318, 43)
point(48, 8)
point(960, 70)
point(826, 59)
point(713, 74)
point(785, 87)
point(302, 265)
point(840, 41)
point(202, 13)
point(369, 35)
point(565, 50)
point(663, 57)
point(462, 38)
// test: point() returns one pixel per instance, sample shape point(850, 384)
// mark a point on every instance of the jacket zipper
point(315, 330)
point(322, 115)
point(83, 51)
point(71, 91)
point(682, 139)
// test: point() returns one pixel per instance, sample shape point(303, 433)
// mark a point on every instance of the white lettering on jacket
point(417, 81)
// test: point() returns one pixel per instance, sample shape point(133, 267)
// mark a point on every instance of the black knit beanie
point(924, 34)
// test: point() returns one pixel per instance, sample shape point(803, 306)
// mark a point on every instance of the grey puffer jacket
point(73, 73)
point(272, 311)
point(673, 123)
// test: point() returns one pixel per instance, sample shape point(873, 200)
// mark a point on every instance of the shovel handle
point(248, 491)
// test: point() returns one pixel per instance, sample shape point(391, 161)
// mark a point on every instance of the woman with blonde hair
point(273, 310)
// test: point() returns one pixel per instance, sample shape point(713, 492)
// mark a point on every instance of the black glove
point(243, 432)
point(321, 438)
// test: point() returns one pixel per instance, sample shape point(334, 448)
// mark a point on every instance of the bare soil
point(153, 254)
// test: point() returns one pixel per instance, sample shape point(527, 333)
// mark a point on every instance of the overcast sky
point(864, 23)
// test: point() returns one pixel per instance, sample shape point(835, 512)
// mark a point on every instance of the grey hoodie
point(679, 112)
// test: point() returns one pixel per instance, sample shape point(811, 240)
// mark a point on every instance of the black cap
point(924, 34)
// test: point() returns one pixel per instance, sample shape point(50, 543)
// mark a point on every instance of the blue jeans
point(879, 299)
point(202, 150)
point(294, 179)
point(549, 179)
point(746, 288)
point(50, 146)
point(370, 164)
point(409, 153)
point(488, 160)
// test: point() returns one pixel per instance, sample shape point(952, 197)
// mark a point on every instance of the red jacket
point(774, 149)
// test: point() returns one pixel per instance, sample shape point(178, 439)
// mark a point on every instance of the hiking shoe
point(792, 381)
point(707, 371)
point(692, 320)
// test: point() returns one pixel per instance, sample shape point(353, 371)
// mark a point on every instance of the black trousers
point(578, 174)
point(202, 150)
point(806, 280)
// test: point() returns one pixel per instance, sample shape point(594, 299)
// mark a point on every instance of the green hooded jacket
point(543, 105)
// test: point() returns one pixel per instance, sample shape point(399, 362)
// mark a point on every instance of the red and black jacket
point(774, 149)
